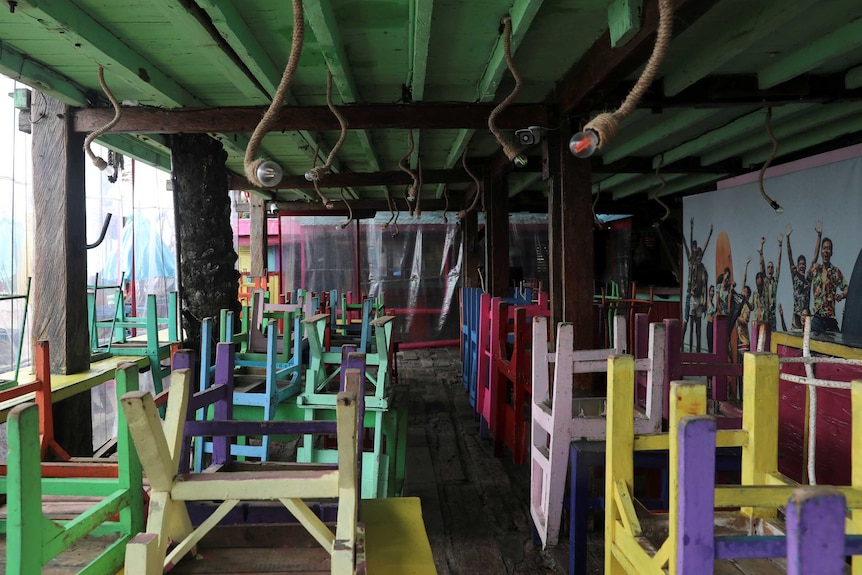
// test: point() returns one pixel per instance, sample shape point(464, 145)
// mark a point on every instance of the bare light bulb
point(520, 161)
point(583, 144)
point(775, 206)
point(269, 173)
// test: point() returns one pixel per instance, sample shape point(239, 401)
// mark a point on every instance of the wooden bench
point(161, 445)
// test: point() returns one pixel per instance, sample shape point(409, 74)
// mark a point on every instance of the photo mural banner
point(748, 262)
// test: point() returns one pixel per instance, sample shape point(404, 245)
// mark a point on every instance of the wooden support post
point(469, 235)
point(496, 235)
point(207, 256)
point(551, 153)
point(259, 236)
point(60, 294)
point(570, 241)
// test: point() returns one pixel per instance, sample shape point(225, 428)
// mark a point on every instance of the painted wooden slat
point(24, 495)
point(815, 532)
point(760, 417)
point(855, 522)
point(310, 521)
point(695, 537)
point(142, 555)
point(188, 544)
point(620, 438)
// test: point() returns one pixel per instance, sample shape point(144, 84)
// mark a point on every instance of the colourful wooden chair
point(161, 447)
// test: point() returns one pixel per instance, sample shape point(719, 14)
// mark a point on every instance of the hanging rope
point(446, 205)
point(606, 125)
point(316, 173)
point(251, 163)
point(472, 206)
point(314, 158)
point(772, 203)
point(509, 148)
point(660, 188)
point(349, 210)
point(402, 164)
point(98, 161)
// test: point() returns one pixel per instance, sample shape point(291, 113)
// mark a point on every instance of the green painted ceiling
point(703, 119)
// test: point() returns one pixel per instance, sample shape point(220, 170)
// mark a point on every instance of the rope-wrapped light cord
point(607, 124)
point(772, 203)
point(402, 164)
point(88, 141)
point(251, 163)
point(462, 213)
point(316, 173)
point(509, 148)
point(418, 210)
point(446, 205)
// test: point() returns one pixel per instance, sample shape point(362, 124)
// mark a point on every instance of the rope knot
point(316, 174)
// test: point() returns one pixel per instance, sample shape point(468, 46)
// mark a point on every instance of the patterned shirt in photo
point(825, 281)
point(801, 294)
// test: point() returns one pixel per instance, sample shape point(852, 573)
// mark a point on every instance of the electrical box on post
point(20, 98)
point(624, 20)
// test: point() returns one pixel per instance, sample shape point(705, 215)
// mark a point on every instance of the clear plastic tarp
point(414, 263)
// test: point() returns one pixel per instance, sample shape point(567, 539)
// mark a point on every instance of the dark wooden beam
point(689, 165)
point(369, 207)
point(138, 120)
point(60, 264)
point(470, 245)
point(496, 234)
point(602, 66)
point(357, 180)
point(551, 151)
point(726, 90)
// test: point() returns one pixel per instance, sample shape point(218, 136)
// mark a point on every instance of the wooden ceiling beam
point(354, 179)
point(601, 67)
point(139, 120)
point(644, 165)
point(361, 208)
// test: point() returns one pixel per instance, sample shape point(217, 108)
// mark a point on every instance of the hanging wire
point(596, 221)
point(660, 188)
point(88, 141)
point(478, 193)
point(446, 205)
point(251, 163)
point(316, 173)
point(772, 203)
point(510, 149)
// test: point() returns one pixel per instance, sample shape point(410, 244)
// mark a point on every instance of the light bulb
point(309, 176)
point(269, 173)
point(774, 205)
point(520, 161)
point(329, 205)
point(583, 144)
